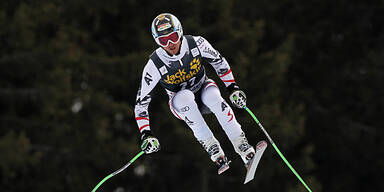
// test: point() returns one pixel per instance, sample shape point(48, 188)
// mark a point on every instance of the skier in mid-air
point(178, 64)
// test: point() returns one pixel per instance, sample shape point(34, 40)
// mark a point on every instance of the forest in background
point(69, 72)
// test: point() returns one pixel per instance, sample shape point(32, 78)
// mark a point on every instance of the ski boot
point(249, 158)
point(216, 153)
point(243, 148)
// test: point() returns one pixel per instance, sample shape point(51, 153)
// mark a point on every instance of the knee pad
point(211, 95)
point(182, 99)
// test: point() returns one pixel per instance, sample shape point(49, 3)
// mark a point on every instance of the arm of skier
point(223, 70)
point(149, 80)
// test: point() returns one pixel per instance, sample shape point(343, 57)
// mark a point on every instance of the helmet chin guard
point(163, 25)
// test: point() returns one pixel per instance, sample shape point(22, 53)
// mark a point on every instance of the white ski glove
point(149, 144)
point(237, 97)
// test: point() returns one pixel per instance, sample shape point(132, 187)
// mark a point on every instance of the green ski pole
point(118, 171)
point(277, 149)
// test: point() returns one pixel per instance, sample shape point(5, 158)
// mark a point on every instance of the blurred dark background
point(70, 69)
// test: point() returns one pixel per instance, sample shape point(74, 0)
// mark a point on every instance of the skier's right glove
point(149, 144)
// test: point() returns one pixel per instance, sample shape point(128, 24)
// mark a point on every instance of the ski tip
point(261, 144)
point(246, 181)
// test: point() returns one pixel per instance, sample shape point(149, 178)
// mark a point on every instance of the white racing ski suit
point(192, 93)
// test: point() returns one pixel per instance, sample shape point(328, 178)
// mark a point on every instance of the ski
point(252, 164)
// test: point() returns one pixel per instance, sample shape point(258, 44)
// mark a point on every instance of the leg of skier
point(211, 97)
point(184, 106)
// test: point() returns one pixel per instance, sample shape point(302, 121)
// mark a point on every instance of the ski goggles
point(165, 39)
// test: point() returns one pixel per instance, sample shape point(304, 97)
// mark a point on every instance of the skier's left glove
point(149, 143)
point(237, 96)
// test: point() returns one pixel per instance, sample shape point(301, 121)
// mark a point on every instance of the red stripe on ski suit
point(174, 111)
point(226, 73)
point(142, 127)
point(141, 118)
point(210, 84)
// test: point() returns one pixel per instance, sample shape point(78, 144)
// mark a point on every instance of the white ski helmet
point(163, 25)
